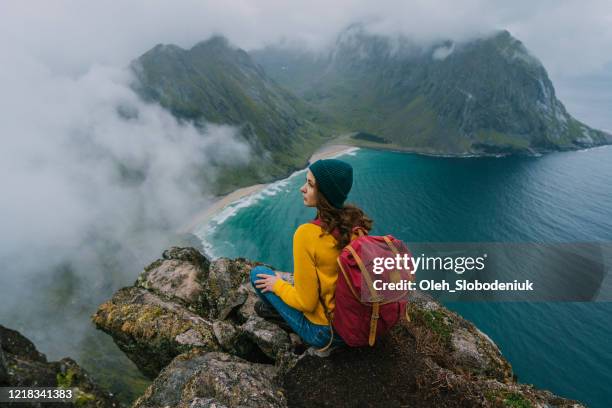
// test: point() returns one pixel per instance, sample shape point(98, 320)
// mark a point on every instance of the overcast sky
point(572, 38)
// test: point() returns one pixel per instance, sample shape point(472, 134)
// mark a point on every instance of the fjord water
point(559, 197)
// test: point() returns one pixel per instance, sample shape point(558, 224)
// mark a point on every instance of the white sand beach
point(328, 151)
point(325, 152)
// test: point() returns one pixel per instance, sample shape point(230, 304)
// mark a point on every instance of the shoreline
point(341, 146)
point(220, 202)
point(421, 151)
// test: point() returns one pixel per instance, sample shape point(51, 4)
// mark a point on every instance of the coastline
point(220, 202)
point(340, 146)
point(392, 147)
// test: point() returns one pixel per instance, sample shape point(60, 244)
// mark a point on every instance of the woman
point(306, 304)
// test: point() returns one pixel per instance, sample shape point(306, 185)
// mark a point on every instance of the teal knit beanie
point(334, 179)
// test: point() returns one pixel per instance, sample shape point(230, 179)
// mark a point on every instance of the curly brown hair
point(344, 219)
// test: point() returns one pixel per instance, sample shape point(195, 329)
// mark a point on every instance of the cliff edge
point(189, 324)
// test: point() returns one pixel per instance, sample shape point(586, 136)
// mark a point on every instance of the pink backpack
point(363, 314)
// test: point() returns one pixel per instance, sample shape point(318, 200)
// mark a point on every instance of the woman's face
point(309, 190)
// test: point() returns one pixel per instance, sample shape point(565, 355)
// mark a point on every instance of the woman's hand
point(266, 283)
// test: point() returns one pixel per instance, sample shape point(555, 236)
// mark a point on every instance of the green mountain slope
point(215, 82)
point(485, 96)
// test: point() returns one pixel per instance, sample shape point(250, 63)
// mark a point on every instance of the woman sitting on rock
point(306, 304)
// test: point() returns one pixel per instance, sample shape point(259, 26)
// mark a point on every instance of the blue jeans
point(314, 334)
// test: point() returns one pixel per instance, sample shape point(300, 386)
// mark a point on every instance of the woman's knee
point(259, 270)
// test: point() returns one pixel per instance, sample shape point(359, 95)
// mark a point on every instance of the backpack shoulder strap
point(335, 233)
point(359, 230)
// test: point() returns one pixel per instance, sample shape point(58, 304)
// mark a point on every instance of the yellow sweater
point(311, 255)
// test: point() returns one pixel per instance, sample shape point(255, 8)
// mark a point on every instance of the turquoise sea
point(558, 197)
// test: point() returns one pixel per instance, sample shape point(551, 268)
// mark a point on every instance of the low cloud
point(570, 37)
point(68, 36)
point(94, 183)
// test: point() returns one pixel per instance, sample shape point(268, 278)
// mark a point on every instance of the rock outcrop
point(21, 365)
point(190, 324)
point(198, 378)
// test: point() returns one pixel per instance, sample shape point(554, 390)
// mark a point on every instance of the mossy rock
point(453, 342)
point(151, 330)
point(180, 276)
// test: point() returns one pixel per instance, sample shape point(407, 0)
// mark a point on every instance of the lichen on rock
point(453, 342)
point(198, 376)
point(192, 324)
point(22, 365)
point(178, 275)
point(151, 330)
point(225, 285)
point(270, 338)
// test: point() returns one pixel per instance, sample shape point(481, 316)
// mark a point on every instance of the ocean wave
point(207, 246)
point(205, 231)
point(586, 149)
point(208, 228)
point(348, 152)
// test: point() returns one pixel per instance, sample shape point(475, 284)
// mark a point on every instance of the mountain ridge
point(216, 82)
point(485, 96)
